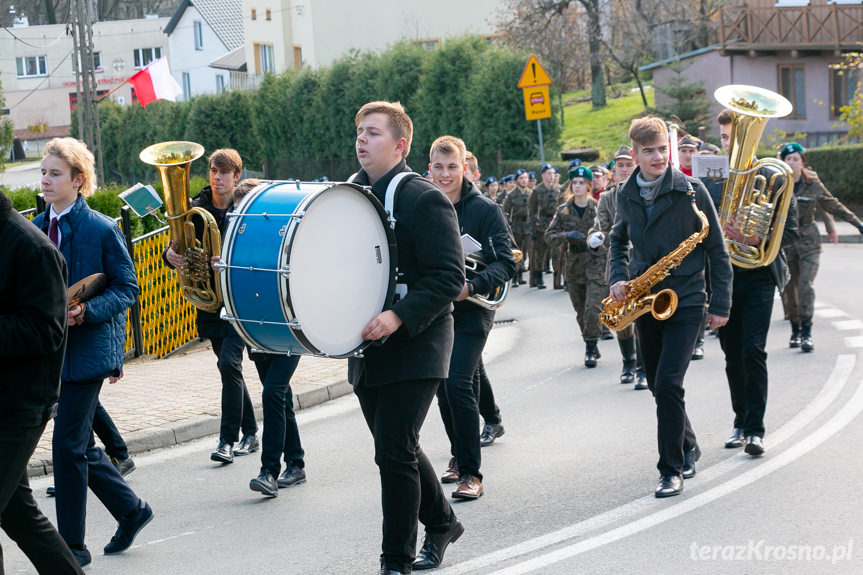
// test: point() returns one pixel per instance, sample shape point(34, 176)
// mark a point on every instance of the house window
point(31, 66)
point(264, 61)
point(428, 43)
point(187, 86)
point(220, 84)
point(269, 15)
point(298, 57)
point(97, 62)
point(843, 87)
point(199, 35)
point(792, 85)
point(254, 14)
point(144, 56)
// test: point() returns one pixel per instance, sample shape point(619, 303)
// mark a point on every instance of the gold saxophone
point(198, 283)
point(619, 314)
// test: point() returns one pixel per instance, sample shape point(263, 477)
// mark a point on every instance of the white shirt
point(54, 215)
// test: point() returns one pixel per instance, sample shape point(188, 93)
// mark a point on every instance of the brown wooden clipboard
point(85, 289)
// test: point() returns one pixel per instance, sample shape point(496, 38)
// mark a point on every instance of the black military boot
point(520, 276)
point(627, 351)
point(806, 342)
point(591, 353)
point(794, 342)
point(515, 281)
point(540, 284)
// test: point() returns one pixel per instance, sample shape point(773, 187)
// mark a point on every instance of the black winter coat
point(431, 263)
point(32, 321)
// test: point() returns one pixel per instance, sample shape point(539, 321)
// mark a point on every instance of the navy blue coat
point(92, 243)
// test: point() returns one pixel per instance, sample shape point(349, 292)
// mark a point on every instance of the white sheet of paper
point(715, 167)
point(469, 244)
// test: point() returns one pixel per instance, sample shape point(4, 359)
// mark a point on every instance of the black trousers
point(20, 517)
point(458, 401)
point(667, 348)
point(237, 410)
point(79, 464)
point(281, 435)
point(410, 491)
point(744, 339)
point(108, 434)
point(488, 409)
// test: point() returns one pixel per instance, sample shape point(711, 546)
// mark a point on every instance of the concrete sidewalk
point(163, 402)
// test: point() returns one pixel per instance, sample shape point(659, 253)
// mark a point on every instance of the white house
point(199, 32)
point(39, 80)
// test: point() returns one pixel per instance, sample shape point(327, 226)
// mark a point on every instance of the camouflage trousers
point(586, 300)
point(540, 253)
point(798, 297)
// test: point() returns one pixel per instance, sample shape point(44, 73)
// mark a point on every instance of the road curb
point(202, 426)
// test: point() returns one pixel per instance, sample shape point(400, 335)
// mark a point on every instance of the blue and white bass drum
point(306, 266)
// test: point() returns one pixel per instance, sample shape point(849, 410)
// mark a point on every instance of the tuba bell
point(757, 193)
point(199, 285)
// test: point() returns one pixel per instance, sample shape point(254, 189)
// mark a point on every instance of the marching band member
point(457, 398)
point(655, 214)
point(396, 381)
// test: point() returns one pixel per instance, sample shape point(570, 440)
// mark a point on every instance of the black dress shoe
point(81, 555)
point(490, 432)
point(265, 483)
point(248, 444)
point(129, 528)
point(434, 546)
point(640, 379)
point(50, 491)
point(735, 440)
point(689, 459)
point(386, 571)
point(698, 352)
point(224, 453)
point(754, 445)
point(123, 466)
point(292, 475)
point(669, 486)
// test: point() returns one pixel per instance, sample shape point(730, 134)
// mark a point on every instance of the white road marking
point(830, 312)
point(856, 341)
point(829, 392)
point(809, 442)
point(848, 324)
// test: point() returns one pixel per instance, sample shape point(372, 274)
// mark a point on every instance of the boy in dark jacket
point(32, 344)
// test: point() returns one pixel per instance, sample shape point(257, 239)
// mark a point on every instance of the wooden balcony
point(825, 27)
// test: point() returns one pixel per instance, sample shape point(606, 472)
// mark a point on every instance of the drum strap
point(392, 190)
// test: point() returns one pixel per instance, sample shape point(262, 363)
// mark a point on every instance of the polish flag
point(155, 83)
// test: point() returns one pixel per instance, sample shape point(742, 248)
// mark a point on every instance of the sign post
point(534, 83)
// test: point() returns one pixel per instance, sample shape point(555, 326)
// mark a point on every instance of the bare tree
point(40, 12)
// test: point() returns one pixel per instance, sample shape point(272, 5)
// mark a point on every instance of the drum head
point(339, 261)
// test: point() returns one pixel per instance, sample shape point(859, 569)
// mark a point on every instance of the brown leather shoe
point(451, 473)
point(469, 487)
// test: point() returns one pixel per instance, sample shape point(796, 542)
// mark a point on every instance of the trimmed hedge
point(303, 120)
point(839, 168)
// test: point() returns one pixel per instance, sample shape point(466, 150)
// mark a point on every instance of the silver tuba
point(474, 264)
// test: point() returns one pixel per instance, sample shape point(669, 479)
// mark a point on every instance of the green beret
point(790, 148)
point(581, 172)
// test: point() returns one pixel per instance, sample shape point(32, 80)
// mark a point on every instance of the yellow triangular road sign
point(534, 74)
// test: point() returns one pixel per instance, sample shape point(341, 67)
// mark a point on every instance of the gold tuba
point(757, 193)
point(473, 264)
point(198, 283)
point(619, 314)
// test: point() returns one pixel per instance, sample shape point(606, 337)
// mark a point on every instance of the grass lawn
point(604, 129)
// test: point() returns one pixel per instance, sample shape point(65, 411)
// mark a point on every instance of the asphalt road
point(22, 176)
point(569, 488)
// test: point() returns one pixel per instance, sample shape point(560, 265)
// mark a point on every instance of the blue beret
point(790, 148)
point(490, 180)
point(519, 172)
point(574, 164)
point(425, 173)
point(581, 172)
point(531, 175)
point(545, 167)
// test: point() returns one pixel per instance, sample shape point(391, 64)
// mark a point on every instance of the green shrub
point(839, 168)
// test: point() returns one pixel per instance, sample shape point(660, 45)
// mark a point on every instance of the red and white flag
point(155, 83)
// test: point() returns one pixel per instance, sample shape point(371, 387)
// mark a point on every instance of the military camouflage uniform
point(516, 210)
point(585, 268)
point(541, 208)
point(798, 297)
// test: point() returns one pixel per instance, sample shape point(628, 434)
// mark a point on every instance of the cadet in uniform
point(516, 210)
point(541, 208)
point(633, 367)
point(798, 297)
point(585, 268)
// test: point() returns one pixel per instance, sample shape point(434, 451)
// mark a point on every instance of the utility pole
point(83, 15)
